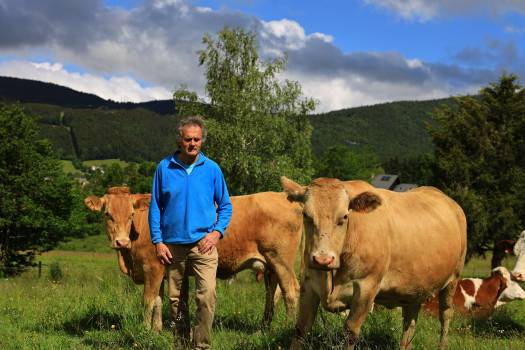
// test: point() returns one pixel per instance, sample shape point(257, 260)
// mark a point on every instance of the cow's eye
point(342, 220)
point(306, 216)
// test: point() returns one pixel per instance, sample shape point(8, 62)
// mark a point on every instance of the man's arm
point(224, 213)
point(224, 205)
point(209, 241)
point(163, 252)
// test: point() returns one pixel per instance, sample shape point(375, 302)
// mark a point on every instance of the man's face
point(191, 141)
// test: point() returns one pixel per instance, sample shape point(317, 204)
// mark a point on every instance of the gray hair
point(192, 120)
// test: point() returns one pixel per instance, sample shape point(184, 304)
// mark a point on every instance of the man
point(189, 212)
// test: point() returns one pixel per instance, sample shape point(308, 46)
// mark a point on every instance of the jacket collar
point(200, 160)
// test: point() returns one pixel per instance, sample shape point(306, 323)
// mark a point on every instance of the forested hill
point(32, 91)
point(396, 129)
point(84, 126)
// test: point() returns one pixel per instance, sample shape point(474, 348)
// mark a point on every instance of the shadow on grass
point(279, 339)
point(378, 333)
point(500, 325)
point(93, 319)
point(237, 323)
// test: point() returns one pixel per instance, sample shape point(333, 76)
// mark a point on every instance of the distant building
point(391, 182)
point(385, 181)
point(404, 187)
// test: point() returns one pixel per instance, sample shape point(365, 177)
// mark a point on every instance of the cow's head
point(502, 275)
point(326, 208)
point(505, 246)
point(518, 273)
point(512, 291)
point(119, 207)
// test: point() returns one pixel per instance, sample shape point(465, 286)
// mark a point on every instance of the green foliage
point(418, 170)
point(36, 201)
point(55, 272)
point(138, 177)
point(60, 139)
point(480, 160)
point(130, 134)
point(395, 129)
point(258, 127)
point(345, 164)
point(85, 127)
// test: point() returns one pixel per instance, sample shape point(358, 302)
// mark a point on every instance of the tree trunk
point(497, 257)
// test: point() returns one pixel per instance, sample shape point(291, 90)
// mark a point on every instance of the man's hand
point(163, 253)
point(208, 242)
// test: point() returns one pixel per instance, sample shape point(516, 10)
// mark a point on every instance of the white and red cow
point(366, 247)
point(518, 273)
point(478, 297)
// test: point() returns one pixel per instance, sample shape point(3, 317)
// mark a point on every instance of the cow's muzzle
point(123, 243)
point(323, 262)
point(517, 276)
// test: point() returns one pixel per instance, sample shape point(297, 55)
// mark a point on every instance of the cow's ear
point(141, 202)
point(506, 245)
point(498, 273)
point(295, 191)
point(95, 203)
point(365, 202)
point(503, 274)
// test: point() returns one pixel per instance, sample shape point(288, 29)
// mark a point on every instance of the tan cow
point(397, 249)
point(128, 231)
point(264, 234)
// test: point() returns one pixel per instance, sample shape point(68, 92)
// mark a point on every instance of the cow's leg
point(446, 311)
point(152, 282)
point(287, 282)
point(270, 282)
point(410, 314)
point(308, 305)
point(153, 278)
point(276, 296)
point(157, 309)
point(362, 301)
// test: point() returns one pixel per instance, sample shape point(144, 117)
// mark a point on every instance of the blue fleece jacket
point(186, 207)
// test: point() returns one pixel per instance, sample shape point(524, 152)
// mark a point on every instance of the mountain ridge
point(85, 126)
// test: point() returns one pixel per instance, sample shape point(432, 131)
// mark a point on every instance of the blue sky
point(344, 53)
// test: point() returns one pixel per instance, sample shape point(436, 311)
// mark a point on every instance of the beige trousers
point(187, 260)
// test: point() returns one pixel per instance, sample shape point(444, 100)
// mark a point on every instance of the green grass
point(94, 306)
point(100, 162)
point(479, 267)
point(68, 168)
point(96, 243)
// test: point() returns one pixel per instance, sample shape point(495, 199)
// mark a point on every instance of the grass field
point(68, 168)
point(82, 301)
point(100, 162)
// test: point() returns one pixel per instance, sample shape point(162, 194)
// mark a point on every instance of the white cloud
point(289, 34)
point(117, 88)
point(344, 92)
point(409, 9)
point(515, 30)
point(424, 10)
point(158, 42)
